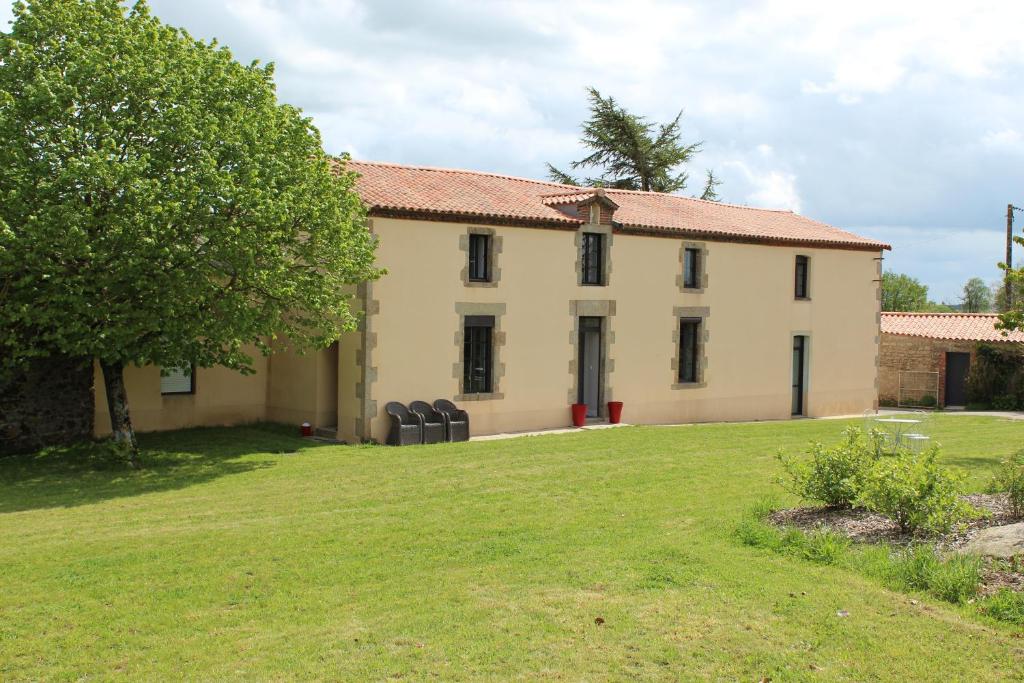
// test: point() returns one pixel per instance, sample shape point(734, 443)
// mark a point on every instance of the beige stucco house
point(517, 298)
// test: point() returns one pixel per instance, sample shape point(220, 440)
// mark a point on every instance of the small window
point(592, 258)
point(689, 350)
point(691, 268)
point(802, 263)
point(479, 250)
point(477, 354)
point(178, 381)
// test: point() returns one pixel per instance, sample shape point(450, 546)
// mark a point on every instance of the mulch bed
point(862, 526)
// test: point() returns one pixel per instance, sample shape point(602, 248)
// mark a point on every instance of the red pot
point(307, 429)
point(579, 414)
point(614, 412)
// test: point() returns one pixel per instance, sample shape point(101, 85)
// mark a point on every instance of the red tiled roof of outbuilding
point(448, 194)
point(948, 326)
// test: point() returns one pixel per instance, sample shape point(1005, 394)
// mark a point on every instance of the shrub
point(928, 401)
point(1005, 402)
point(1009, 479)
point(915, 492)
point(1006, 605)
point(921, 568)
point(833, 475)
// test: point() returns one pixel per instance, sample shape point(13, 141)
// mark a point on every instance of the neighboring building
point(930, 354)
point(517, 298)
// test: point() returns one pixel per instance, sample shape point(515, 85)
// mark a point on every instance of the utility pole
point(1010, 208)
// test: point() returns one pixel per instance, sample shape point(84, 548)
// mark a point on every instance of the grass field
point(247, 553)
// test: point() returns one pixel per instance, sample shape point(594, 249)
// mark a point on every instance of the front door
point(590, 365)
point(957, 365)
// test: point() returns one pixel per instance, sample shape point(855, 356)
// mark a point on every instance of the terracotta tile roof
point(448, 194)
point(949, 326)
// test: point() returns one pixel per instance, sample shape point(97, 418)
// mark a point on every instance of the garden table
point(896, 427)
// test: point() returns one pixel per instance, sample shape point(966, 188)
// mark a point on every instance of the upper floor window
point(477, 355)
point(479, 261)
point(691, 268)
point(689, 350)
point(178, 380)
point(802, 269)
point(593, 253)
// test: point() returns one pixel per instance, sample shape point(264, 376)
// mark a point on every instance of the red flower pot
point(614, 412)
point(307, 429)
point(579, 414)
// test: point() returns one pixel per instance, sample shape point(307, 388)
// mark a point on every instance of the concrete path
point(1009, 415)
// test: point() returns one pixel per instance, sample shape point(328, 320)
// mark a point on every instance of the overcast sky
point(899, 120)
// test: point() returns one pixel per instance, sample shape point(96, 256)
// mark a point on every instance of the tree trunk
point(117, 404)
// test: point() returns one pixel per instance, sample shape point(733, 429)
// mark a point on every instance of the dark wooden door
point(957, 366)
point(799, 373)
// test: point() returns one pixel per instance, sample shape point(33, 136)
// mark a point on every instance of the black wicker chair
point(434, 429)
point(406, 426)
point(455, 418)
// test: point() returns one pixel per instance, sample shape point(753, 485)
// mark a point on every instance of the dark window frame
point(191, 383)
point(801, 275)
point(479, 267)
point(478, 354)
point(689, 358)
point(691, 268)
point(592, 255)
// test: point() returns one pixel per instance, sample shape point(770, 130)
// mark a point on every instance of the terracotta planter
point(579, 414)
point(614, 412)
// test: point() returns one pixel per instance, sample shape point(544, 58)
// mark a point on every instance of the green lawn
point(247, 553)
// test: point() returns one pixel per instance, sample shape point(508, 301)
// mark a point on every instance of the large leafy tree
point(631, 153)
point(157, 204)
point(976, 297)
point(903, 293)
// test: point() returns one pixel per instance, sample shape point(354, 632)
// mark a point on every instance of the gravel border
point(862, 526)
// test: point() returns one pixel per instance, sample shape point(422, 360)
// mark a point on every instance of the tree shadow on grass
point(92, 472)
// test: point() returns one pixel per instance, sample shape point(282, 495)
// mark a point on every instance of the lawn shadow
point(92, 472)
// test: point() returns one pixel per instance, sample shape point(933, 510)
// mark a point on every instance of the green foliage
point(711, 184)
point(1009, 479)
point(833, 476)
point(996, 377)
point(914, 491)
point(953, 579)
point(159, 205)
point(903, 293)
point(928, 401)
point(976, 297)
point(1005, 605)
point(1012, 316)
point(631, 152)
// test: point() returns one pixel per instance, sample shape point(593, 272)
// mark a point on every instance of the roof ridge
point(442, 169)
point(573, 189)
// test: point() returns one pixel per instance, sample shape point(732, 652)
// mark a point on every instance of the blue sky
point(899, 120)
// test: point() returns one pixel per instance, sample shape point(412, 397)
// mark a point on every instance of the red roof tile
point(949, 326)
point(448, 194)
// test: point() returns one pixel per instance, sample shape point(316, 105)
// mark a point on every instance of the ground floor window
point(178, 380)
point(477, 358)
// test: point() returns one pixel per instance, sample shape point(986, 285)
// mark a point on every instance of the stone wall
point(899, 352)
point(49, 403)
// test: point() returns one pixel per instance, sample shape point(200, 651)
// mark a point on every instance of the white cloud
point(768, 188)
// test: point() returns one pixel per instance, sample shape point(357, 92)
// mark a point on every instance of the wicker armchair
point(456, 419)
point(434, 428)
point(406, 426)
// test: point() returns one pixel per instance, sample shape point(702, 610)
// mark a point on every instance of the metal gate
point(918, 389)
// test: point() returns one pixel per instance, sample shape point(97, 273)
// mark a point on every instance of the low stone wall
point(49, 403)
point(898, 352)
